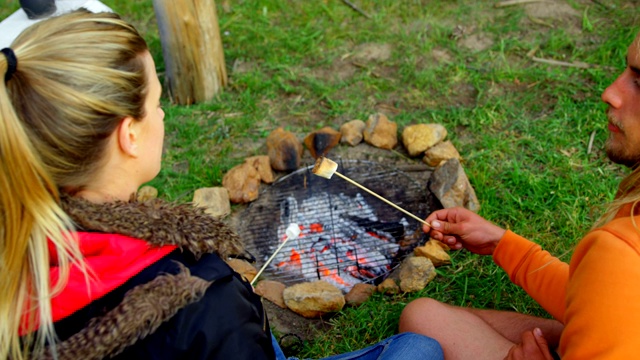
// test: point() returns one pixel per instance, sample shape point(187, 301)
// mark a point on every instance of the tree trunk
point(192, 49)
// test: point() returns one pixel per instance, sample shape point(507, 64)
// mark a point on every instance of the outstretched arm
point(460, 228)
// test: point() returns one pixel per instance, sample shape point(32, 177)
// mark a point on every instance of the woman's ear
point(128, 137)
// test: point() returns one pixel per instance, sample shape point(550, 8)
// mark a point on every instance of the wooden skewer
point(326, 168)
point(293, 230)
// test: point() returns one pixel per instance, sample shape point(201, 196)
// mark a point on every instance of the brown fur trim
point(143, 309)
point(158, 222)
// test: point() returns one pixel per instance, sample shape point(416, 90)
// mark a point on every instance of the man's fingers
point(542, 343)
point(534, 343)
point(441, 226)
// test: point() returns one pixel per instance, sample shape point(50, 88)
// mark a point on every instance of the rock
point(214, 200)
point(146, 193)
point(243, 183)
point(313, 299)
point(263, 165)
point(440, 152)
point(359, 293)
point(450, 185)
point(444, 246)
point(272, 291)
point(418, 138)
point(320, 142)
point(243, 268)
point(284, 150)
point(388, 286)
point(380, 132)
point(433, 251)
point(352, 132)
point(415, 273)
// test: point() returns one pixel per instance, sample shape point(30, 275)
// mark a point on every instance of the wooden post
point(192, 49)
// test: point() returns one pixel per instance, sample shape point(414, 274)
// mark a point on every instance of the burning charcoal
point(392, 229)
point(289, 211)
point(341, 240)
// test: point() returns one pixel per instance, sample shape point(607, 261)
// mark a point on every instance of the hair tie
point(12, 63)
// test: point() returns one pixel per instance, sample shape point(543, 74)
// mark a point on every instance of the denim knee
point(414, 345)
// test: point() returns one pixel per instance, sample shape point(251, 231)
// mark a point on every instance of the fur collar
point(159, 223)
point(143, 309)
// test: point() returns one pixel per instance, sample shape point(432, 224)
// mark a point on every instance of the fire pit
point(347, 235)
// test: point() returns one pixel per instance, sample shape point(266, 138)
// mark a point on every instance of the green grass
point(523, 127)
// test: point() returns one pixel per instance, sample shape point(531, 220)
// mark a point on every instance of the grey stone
point(284, 150)
point(272, 291)
point(352, 132)
point(449, 183)
point(243, 183)
point(415, 273)
point(420, 137)
point(380, 132)
point(313, 299)
point(439, 153)
point(214, 200)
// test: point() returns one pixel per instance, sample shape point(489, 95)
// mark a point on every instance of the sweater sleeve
point(541, 275)
point(602, 320)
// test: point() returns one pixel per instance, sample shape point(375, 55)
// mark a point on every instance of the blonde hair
point(77, 76)
point(628, 193)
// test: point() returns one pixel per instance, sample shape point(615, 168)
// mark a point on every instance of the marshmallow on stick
point(326, 168)
point(292, 232)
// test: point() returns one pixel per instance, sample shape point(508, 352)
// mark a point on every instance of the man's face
point(623, 98)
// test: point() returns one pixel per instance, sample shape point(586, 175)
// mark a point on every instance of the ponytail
point(58, 106)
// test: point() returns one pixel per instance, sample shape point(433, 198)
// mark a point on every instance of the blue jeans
point(403, 346)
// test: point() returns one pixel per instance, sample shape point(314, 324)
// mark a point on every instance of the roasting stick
point(326, 168)
point(292, 232)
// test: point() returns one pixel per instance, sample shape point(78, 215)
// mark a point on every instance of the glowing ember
point(339, 241)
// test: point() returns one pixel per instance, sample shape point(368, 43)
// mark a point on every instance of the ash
point(342, 241)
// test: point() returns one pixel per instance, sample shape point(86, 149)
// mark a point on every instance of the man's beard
point(620, 155)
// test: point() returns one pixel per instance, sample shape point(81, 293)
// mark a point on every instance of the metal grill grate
point(347, 235)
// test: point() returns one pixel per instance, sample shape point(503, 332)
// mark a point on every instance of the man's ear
point(128, 137)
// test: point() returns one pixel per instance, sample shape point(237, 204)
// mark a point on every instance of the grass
point(522, 127)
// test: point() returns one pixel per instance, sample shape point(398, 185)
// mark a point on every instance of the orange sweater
point(596, 296)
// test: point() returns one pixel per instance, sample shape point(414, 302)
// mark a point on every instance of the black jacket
point(188, 305)
point(227, 323)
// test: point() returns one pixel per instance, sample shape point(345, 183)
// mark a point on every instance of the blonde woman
point(88, 272)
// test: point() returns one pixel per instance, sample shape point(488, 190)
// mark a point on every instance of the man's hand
point(459, 227)
point(533, 347)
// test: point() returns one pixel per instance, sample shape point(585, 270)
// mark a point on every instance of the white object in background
point(15, 23)
point(292, 232)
